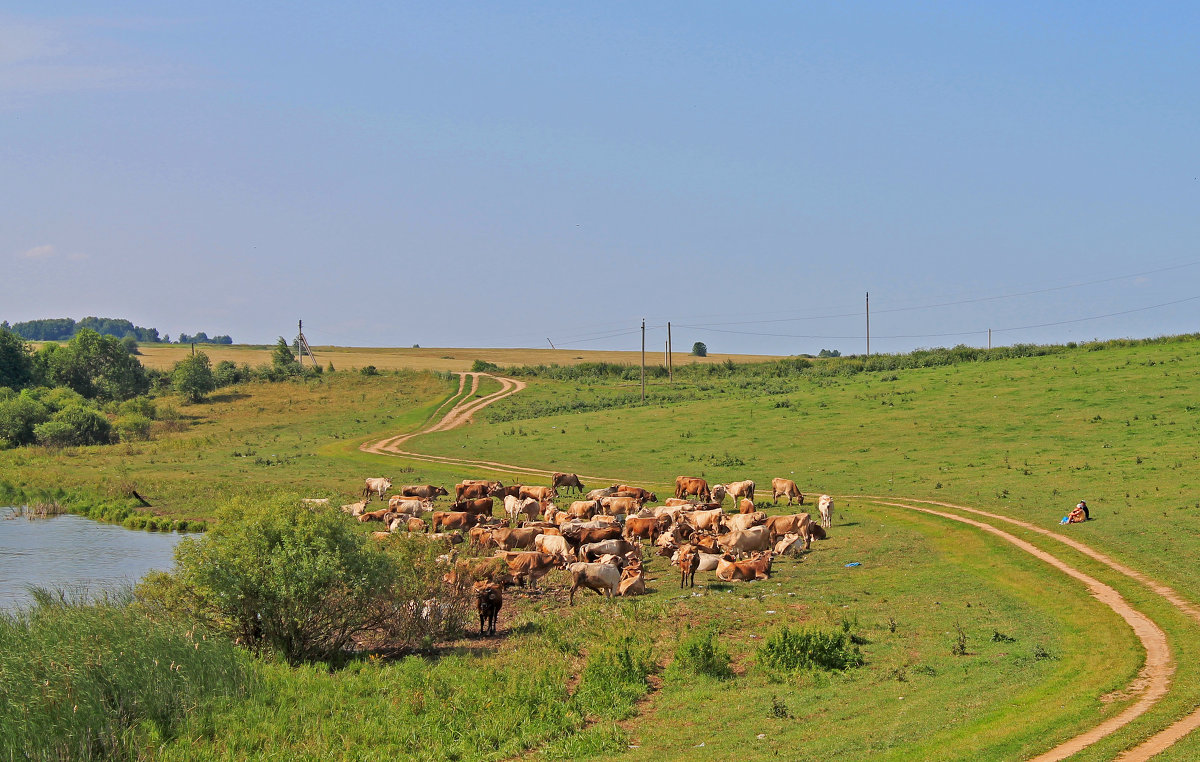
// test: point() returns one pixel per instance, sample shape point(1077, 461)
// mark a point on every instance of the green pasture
point(1025, 437)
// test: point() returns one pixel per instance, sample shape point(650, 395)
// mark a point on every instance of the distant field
point(164, 356)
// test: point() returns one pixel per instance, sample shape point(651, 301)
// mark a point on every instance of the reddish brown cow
point(566, 480)
point(787, 488)
point(645, 495)
point(646, 528)
point(777, 526)
point(689, 563)
point(423, 491)
point(615, 505)
point(758, 567)
point(489, 597)
point(530, 566)
point(692, 485)
point(746, 506)
point(480, 506)
point(507, 539)
point(502, 492)
point(453, 520)
point(537, 493)
point(466, 491)
point(578, 537)
point(378, 515)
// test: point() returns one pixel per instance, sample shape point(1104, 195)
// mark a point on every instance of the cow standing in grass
point(567, 480)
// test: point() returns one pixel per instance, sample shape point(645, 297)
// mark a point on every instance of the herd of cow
point(597, 538)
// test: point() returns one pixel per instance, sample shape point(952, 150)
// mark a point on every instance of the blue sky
point(456, 174)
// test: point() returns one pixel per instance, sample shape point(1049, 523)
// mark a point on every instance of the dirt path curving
point(1170, 735)
point(1151, 685)
point(1153, 680)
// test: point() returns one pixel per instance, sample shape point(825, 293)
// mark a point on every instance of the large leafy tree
point(193, 377)
point(283, 360)
point(16, 361)
point(95, 366)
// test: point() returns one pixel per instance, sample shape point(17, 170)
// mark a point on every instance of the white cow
point(825, 505)
point(379, 485)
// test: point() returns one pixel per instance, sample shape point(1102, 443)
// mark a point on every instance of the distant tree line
point(92, 390)
point(65, 329)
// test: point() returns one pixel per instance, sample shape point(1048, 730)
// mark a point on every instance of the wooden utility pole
point(989, 338)
point(643, 361)
point(302, 346)
point(551, 343)
point(868, 324)
point(670, 356)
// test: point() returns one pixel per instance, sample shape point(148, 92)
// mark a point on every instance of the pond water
point(75, 554)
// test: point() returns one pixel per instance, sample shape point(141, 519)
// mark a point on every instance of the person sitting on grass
point(1083, 506)
point(1076, 516)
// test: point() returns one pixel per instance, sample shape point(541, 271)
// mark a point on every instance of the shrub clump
point(701, 654)
point(793, 650)
point(306, 585)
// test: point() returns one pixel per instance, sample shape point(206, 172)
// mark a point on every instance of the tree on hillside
point(699, 349)
point(283, 361)
point(16, 361)
point(93, 365)
point(193, 377)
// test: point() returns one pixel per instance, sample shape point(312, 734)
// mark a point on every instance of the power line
point(956, 333)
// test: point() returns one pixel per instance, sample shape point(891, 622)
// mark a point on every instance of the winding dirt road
point(1153, 680)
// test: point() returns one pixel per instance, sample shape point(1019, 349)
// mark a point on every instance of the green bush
point(700, 653)
point(791, 650)
point(19, 416)
point(305, 585)
point(133, 427)
point(483, 366)
point(193, 377)
point(76, 425)
point(84, 681)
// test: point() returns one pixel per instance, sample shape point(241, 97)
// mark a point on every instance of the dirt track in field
point(1153, 680)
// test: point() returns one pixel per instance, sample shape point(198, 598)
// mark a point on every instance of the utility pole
point(868, 324)
point(643, 361)
point(299, 349)
point(989, 339)
point(551, 343)
point(670, 356)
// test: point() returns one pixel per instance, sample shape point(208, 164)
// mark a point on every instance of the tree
point(16, 361)
point(829, 353)
point(75, 425)
point(193, 377)
point(699, 349)
point(287, 580)
point(95, 366)
point(131, 345)
point(283, 362)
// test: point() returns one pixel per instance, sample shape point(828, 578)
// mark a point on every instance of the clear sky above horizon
point(469, 174)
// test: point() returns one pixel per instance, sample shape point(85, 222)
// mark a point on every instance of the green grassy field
point(1024, 437)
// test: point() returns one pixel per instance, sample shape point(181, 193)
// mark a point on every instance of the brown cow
point(479, 506)
point(489, 597)
point(583, 509)
point(746, 506)
point(633, 580)
point(787, 488)
point(615, 505)
point(537, 493)
point(691, 485)
point(423, 491)
point(758, 567)
point(580, 536)
point(530, 566)
point(508, 539)
point(454, 520)
point(689, 563)
point(566, 480)
point(646, 528)
point(467, 491)
point(777, 526)
point(502, 492)
point(379, 515)
point(645, 495)
point(740, 489)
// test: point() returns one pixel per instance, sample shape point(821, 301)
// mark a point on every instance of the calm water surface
point(77, 554)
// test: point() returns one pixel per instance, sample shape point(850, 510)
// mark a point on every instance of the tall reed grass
point(96, 680)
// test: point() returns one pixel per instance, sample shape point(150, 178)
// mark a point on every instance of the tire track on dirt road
point(1151, 685)
point(1175, 732)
